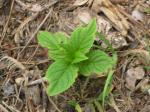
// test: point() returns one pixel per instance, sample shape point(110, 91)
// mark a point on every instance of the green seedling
point(108, 84)
point(72, 56)
point(107, 88)
point(76, 106)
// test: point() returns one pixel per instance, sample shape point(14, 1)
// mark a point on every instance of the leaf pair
point(72, 55)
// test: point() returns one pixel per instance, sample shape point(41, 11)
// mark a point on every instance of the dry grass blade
point(51, 101)
point(10, 107)
point(33, 35)
point(13, 62)
point(119, 21)
point(112, 103)
point(3, 109)
point(141, 54)
point(22, 25)
point(6, 25)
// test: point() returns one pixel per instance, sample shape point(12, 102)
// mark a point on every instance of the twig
point(16, 48)
point(35, 62)
point(51, 101)
point(112, 103)
point(3, 109)
point(46, 17)
point(38, 81)
point(32, 17)
point(6, 25)
point(10, 107)
point(30, 58)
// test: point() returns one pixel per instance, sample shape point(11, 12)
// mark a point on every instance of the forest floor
point(125, 23)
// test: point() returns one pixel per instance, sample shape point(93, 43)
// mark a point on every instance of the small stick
point(10, 107)
point(30, 58)
point(35, 82)
point(46, 17)
point(50, 100)
point(3, 109)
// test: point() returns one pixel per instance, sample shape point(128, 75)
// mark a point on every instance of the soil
point(23, 62)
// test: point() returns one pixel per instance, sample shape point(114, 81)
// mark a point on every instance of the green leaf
point(75, 105)
point(78, 57)
point(82, 38)
point(61, 76)
point(54, 43)
point(75, 57)
point(98, 62)
point(80, 43)
point(57, 54)
point(107, 88)
point(51, 41)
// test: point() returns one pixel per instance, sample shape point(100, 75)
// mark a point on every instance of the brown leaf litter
point(23, 63)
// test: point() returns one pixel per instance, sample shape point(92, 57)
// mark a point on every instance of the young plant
point(108, 83)
point(72, 56)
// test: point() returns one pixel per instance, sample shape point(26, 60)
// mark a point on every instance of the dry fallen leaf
point(137, 15)
point(112, 13)
point(82, 15)
point(36, 8)
point(142, 55)
point(103, 25)
point(117, 40)
point(80, 2)
point(132, 75)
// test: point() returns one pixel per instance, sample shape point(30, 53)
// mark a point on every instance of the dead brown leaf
point(118, 20)
point(132, 75)
point(103, 25)
point(82, 15)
